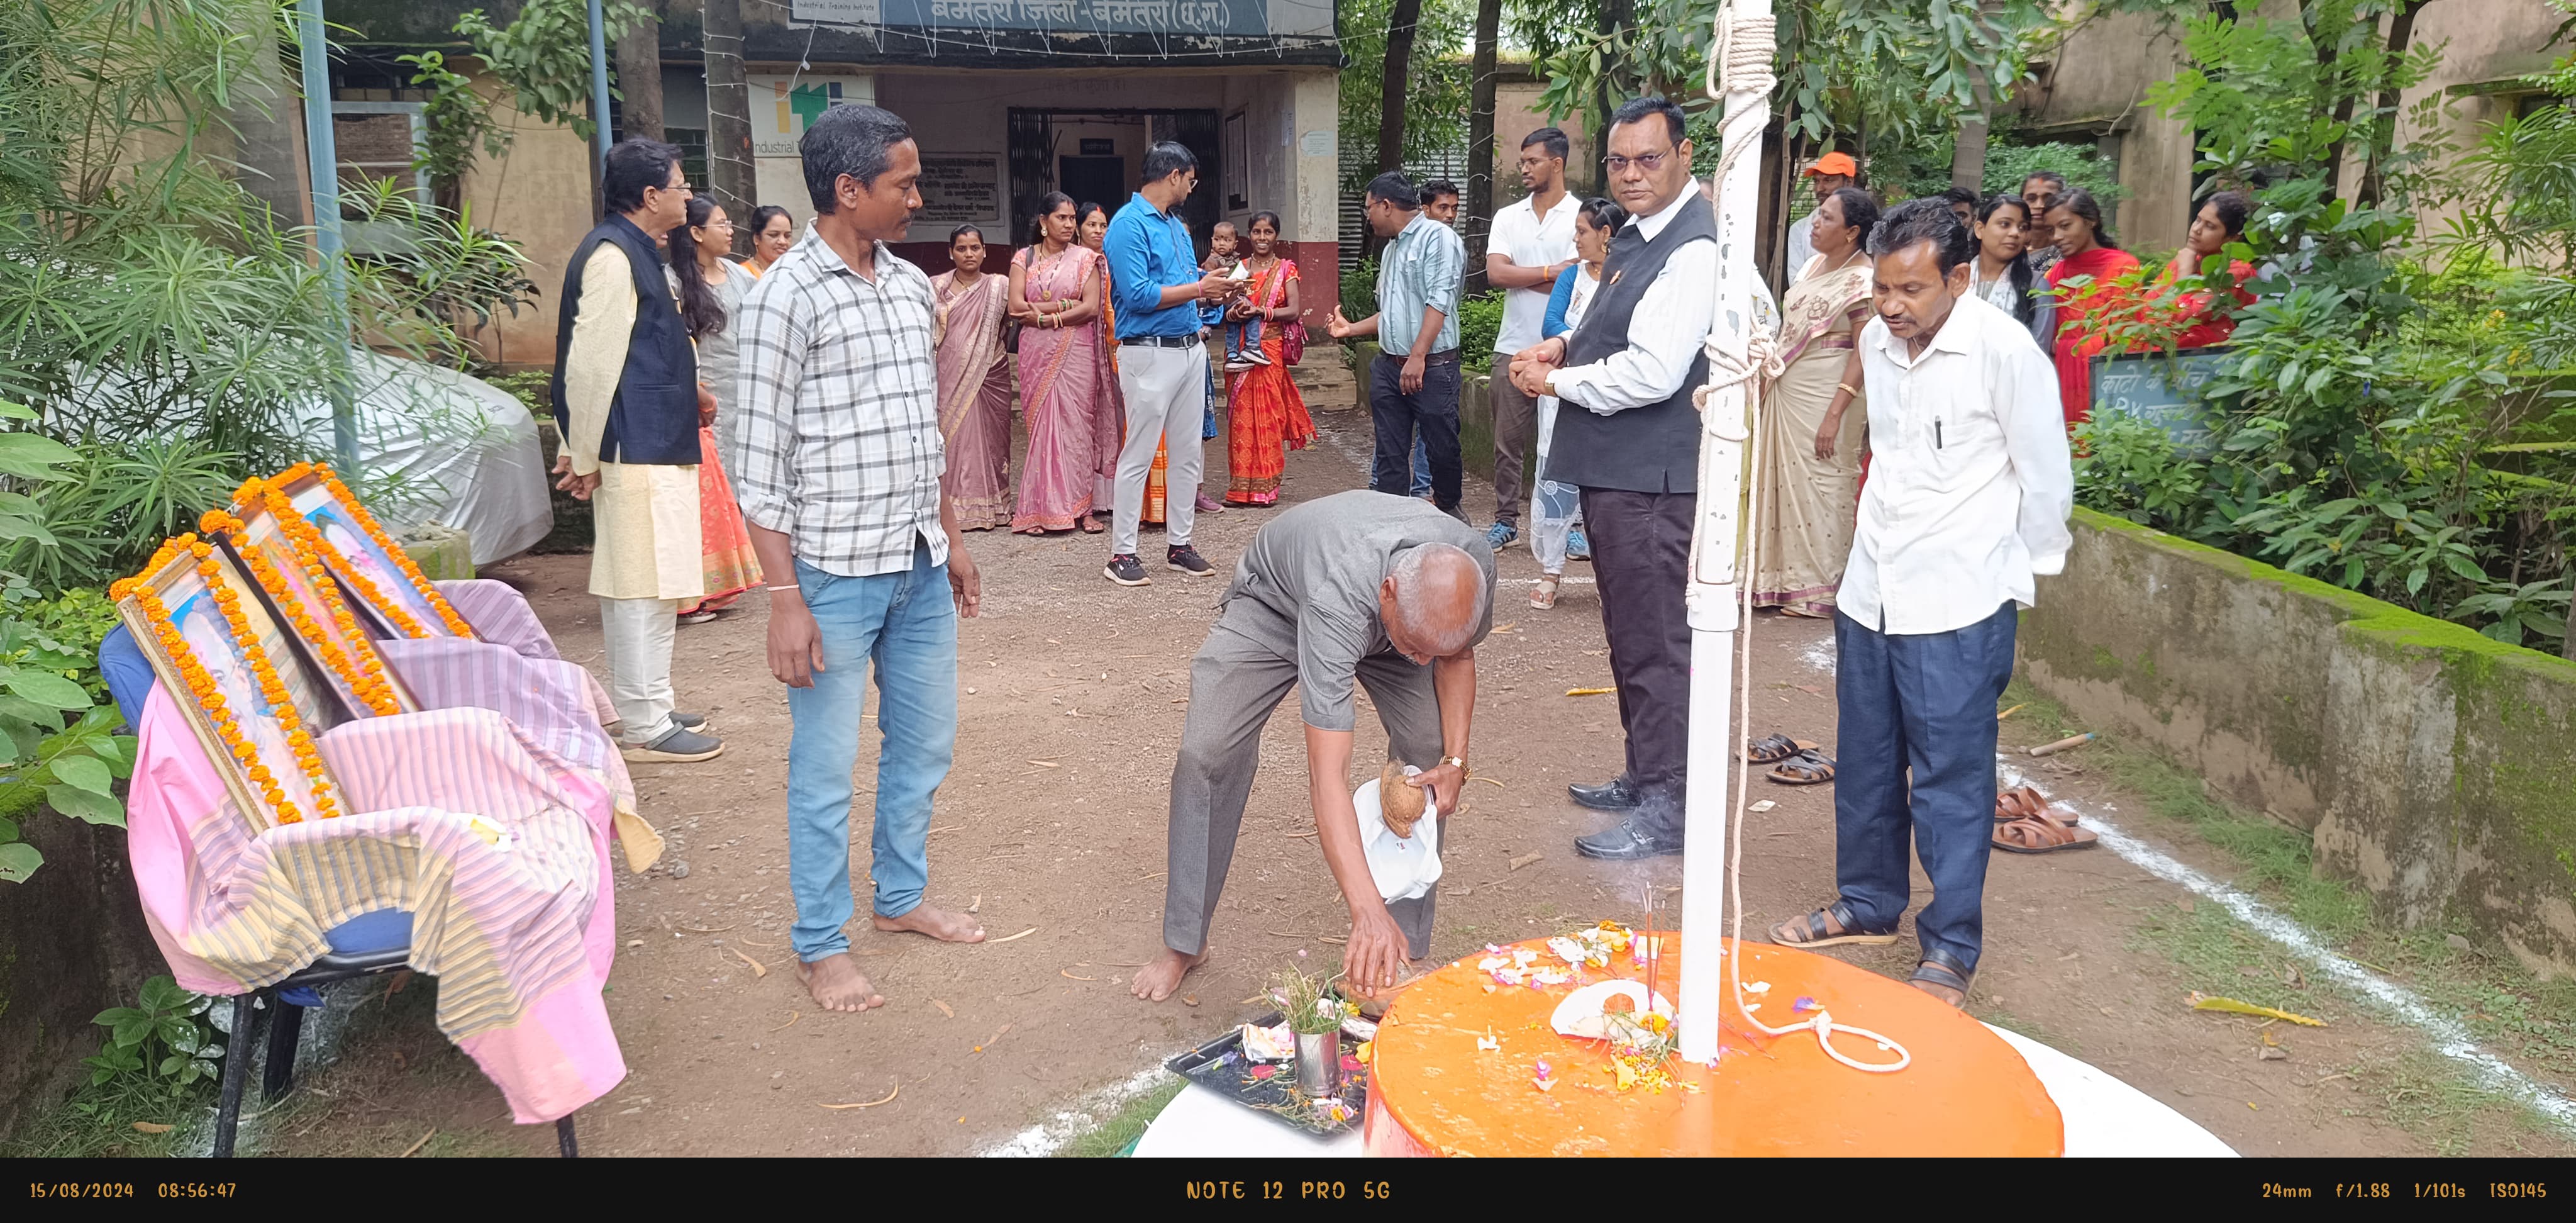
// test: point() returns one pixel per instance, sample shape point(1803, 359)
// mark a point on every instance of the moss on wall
point(2431, 763)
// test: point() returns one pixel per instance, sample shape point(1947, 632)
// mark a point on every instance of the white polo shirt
point(1529, 240)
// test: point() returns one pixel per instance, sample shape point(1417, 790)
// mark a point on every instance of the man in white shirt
point(1825, 176)
point(1969, 488)
point(1531, 244)
point(1634, 451)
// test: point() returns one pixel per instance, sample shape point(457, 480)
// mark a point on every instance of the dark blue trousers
point(1923, 703)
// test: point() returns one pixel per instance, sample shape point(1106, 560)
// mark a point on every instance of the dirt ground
point(1052, 822)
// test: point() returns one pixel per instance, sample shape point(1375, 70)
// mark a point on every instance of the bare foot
point(838, 985)
point(1156, 981)
point(1942, 992)
point(941, 924)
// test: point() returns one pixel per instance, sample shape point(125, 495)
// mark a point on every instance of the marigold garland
point(309, 543)
point(209, 698)
point(365, 674)
point(438, 602)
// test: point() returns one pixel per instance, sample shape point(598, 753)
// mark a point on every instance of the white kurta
point(645, 516)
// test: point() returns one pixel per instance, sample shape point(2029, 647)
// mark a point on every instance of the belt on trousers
point(1446, 356)
point(1161, 341)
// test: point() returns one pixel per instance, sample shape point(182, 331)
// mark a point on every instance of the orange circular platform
point(1432, 1092)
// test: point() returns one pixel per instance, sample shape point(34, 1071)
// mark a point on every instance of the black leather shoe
point(1612, 795)
point(1631, 840)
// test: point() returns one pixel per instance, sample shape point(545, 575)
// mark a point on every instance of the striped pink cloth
point(521, 933)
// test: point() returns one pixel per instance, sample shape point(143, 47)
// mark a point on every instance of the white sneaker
point(1256, 356)
point(1237, 366)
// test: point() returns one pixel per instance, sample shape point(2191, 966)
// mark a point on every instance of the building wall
point(538, 195)
point(2099, 76)
point(1517, 113)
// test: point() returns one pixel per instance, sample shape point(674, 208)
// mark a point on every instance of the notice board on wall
point(960, 189)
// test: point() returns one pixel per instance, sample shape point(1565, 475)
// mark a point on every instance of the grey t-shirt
point(1319, 566)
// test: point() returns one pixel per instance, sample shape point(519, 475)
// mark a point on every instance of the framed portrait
point(330, 637)
point(210, 638)
point(370, 569)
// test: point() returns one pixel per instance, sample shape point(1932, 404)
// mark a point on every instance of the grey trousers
point(1515, 428)
point(1247, 666)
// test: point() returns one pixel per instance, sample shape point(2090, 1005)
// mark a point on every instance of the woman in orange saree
point(1264, 412)
point(711, 290)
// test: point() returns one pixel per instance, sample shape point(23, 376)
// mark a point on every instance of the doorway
point(1100, 180)
point(1095, 156)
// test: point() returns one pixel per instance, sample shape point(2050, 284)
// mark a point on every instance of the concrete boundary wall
point(2432, 766)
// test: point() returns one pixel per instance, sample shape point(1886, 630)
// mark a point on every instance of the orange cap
point(1834, 163)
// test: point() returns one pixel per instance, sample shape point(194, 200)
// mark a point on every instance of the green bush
point(167, 1038)
point(2009, 165)
point(1359, 290)
point(121, 502)
point(1480, 319)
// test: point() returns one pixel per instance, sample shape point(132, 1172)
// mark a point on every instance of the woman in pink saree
point(974, 384)
point(1056, 292)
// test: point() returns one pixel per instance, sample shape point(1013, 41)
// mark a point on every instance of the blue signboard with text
point(2163, 390)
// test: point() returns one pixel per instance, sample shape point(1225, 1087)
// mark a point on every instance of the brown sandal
point(1810, 932)
point(1806, 768)
point(2022, 802)
point(2040, 834)
point(1770, 748)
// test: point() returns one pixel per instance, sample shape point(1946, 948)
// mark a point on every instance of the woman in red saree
point(2200, 316)
point(2089, 259)
point(1058, 292)
point(1263, 409)
point(974, 384)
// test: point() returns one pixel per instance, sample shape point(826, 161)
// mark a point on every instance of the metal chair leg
point(236, 1076)
point(564, 1141)
point(285, 1026)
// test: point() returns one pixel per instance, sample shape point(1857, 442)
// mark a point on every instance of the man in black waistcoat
point(1629, 437)
point(627, 400)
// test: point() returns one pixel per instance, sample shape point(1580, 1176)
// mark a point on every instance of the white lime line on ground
point(2448, 1037)
point(1042, 1139)
point(1534, 581)
point(1819, 655)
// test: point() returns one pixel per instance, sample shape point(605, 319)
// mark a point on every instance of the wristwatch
point(1459, 761)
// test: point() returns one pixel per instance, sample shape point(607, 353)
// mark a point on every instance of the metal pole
point(322, 166)
point(1711, 598)
point(598, 90)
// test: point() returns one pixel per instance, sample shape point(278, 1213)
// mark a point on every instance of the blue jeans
point(1421, 466)
point(906, 625)
point(1242, 336)
point(1924, 702)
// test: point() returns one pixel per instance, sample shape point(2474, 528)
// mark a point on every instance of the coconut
point(1400, 804)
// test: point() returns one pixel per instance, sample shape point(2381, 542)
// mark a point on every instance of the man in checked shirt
point(837, 464)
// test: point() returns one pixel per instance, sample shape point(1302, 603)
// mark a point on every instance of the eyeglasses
point(727, 224)
point(1649, 163)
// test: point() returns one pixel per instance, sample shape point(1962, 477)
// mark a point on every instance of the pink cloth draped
point(975, 398)
point(1069, 395)
point(522, 938)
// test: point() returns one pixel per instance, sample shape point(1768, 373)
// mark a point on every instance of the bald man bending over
point(1362, 587)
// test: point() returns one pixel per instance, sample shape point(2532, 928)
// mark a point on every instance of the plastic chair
point(365, 945)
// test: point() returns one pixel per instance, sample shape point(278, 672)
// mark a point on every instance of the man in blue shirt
point(1413, 384)
point(1157, 289)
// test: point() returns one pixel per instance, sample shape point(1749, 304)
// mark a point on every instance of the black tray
point(1219, 1065)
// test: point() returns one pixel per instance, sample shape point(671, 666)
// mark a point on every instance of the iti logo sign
point(783, 106)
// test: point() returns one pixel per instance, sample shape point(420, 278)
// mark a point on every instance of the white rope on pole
point(1743, 359)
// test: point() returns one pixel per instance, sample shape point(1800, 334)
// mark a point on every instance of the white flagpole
point(1718, 546)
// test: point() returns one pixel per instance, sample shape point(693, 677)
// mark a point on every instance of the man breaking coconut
point(1360, 587)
